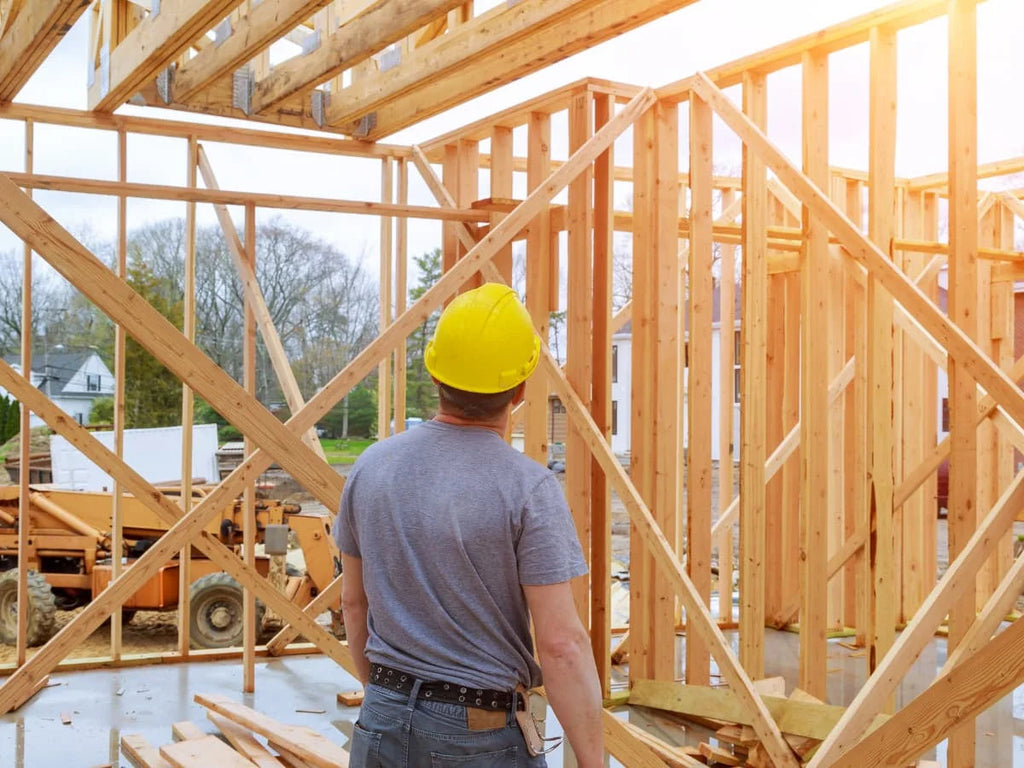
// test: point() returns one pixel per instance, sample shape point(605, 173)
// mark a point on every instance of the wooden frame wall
point(834, 496)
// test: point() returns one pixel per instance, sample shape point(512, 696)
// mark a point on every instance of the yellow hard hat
point(484, 342)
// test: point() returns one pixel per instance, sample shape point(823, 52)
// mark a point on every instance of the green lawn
point(344, 451)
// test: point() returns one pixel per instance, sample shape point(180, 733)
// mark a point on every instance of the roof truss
point(29, 31)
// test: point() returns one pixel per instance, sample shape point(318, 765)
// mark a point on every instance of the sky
point(700, 36)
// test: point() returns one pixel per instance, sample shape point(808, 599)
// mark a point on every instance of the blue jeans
point(397, 730)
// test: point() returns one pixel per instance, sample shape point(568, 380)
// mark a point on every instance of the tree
point(10, 418)
point(421, 394)
point(102, 411)
point(152, 394)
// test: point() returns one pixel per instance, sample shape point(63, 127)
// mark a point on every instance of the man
point(451, 541)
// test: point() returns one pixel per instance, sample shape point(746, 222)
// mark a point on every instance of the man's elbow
point(353, 605)
point(568, 646)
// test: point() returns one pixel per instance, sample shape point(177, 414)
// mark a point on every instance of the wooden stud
point(187, 404)
point(116, 513)
point(601, 523)
point(401, 291)
point(538, 288)
point(579, 342)
point(728, 351)
point(25, 431)
point(963, 299)
point(249, 628)
point(814, 410)
point(753, 374)
point(699, 380)
point(501, 186)
point(385, 297)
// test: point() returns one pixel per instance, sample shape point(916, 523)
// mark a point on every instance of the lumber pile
point(803, 719)
point(243, 738)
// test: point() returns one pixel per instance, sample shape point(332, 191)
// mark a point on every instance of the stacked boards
point(244, 738)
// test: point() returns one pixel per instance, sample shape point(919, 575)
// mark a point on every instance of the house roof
point(56, 367)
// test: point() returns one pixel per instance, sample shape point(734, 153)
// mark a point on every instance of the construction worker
point(451, 541)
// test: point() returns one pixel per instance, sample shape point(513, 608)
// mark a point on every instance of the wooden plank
point(385, 294)
point(643, 396)
point(197, 753)
point(326, 598)
point(624, 745)
point(261, 25)
point(227, 197)
point(579, 342)
point(254, 295)
point(116, 513)
point(244, 742)
point(601, 350)
point(249, 628)
point(501, 187)
point(963, 299)
point(881, 228)
point(150, 47)
point(699, 379)
point(304, 742)
point(140, 753)
point(186, 730)
point(795, 717)
point(753, 374)
point(377, 27)
point(496, 47)
point(948, 705)
point(728, 351)
point(814, 410)
point(401, 275)
point(31, 37)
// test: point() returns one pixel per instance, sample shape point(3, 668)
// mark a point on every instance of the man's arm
point(570, 675)
point(354, 608)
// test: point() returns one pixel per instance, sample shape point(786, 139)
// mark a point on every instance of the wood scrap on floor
point(351, 698)
point(237, 744)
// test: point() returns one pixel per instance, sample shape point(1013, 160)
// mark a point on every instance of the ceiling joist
point(261, 26)
point(29, 32)
point(489, 51)
point(152, 46)
point(381, 24)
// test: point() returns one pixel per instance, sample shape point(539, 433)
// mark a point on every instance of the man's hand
point(570, 675)
point(354, 607)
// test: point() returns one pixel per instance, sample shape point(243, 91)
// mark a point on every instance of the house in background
point(72, 380)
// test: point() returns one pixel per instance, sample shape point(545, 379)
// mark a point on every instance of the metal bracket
point(163, 84)
point(222, 31)
point(321, 100)
point(366, 124)
point(390, 58)
point(242, 83)
point(311, 42)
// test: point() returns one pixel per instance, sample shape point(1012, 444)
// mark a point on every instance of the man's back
point(449, 522)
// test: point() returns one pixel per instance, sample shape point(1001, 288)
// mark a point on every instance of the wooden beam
point(699, 378)
point(384, 22)
point(152, 45)
point(814, 409)
point(963, 311)
point(254, 296)
point(158, 336)
point(226, 197)
point(262, 25)
point(950, 702)
point(753, 374)
point(490, 50)
point(31, 37)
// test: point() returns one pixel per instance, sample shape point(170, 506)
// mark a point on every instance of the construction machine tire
point(42, 610)
point(215, 612)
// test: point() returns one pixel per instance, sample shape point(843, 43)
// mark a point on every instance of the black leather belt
point(450, 693)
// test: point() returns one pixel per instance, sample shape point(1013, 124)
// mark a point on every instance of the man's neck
point(497, 425)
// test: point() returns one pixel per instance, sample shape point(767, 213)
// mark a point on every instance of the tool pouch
point(535, 743)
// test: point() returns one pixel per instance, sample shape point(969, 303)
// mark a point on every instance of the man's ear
point(520, 394)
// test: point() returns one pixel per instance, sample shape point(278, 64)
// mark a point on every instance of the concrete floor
point(105, 704)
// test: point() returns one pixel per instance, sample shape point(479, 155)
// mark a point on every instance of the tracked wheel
point(42, 610)
point(215, 612)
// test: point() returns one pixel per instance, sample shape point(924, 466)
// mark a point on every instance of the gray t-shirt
point(449, 522)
